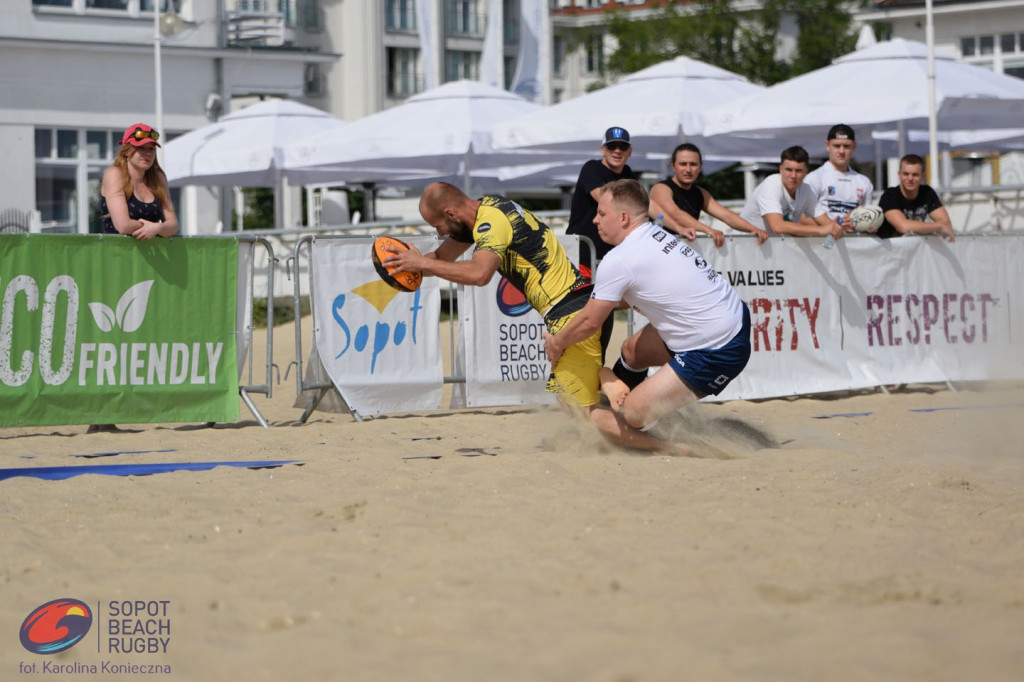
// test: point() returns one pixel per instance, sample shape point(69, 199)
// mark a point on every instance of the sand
point(857, 537)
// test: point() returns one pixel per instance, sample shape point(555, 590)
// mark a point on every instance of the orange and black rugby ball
point(403, 281)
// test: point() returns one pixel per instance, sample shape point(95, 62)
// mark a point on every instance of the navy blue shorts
point(708, 372)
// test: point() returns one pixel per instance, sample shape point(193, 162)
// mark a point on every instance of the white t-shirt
point(690, 304)
point(771, 197)
point(838, 192)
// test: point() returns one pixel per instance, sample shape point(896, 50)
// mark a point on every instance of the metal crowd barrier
point(250, 385)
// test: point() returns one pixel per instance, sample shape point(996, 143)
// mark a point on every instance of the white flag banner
point(426, 22)
point(492, 63)
point(381, 348)
point(501, 338)
point(871, 312)
point(531, 79)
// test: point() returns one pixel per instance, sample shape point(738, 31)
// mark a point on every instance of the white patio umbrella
point(244, 148)
point(881, 87)
point(660, 106)
point(445, 132)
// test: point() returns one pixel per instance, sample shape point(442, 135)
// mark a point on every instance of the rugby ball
point(403, 281)
point(866, 218)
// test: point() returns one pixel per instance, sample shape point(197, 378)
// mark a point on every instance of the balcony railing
point(260, 29)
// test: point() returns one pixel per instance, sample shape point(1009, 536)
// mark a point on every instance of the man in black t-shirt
point(909, 206)
point(615, 152)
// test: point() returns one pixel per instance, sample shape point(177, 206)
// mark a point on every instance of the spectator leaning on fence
point(615, 152)
point(911, 207)
point(839, 188)
point(134, 197)
point(680, 200)
point(782, 201)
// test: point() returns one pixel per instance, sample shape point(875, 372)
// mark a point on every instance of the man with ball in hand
point(512, 241)
point(839, 188)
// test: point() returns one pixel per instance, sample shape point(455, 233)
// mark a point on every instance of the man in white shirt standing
point(699, 331)
point(781, 200)
point(839, 188)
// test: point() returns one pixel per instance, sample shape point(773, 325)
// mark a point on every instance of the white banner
point(531, 78)
point(871, 312)
point(501, 344)
point(863, 314)
point(381, 348)
point(426, 21)
point(492, 58)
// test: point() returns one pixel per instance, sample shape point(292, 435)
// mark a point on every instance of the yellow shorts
point(576, 375)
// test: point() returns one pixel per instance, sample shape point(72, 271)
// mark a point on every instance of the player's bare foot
point(614, 388)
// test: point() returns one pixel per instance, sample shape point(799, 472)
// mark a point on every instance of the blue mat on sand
point(60, 473)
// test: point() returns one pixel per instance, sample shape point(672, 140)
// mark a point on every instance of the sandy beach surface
point(857, 537)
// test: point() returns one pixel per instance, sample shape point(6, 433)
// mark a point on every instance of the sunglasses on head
point(618, 146)
point(141, 134)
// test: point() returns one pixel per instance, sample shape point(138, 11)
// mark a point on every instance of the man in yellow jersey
point(512, 241)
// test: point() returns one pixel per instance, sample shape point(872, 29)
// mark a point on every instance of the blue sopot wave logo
point(510, 300)
point(56, 626)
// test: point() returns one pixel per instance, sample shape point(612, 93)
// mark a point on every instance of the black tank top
point(137, 210)
point(689, 200)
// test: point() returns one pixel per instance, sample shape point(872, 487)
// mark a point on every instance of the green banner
point(113, 330)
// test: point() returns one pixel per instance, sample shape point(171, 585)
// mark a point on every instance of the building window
point(1003, 53)
point(510, 71)
point(558, 55)
point(312, 16)
point(463, 17)
point(459, 64)
point(400, 15)
point(595, 54)
point(403, 72)
point(133, 8)
point(69, 166)
point(510, 21)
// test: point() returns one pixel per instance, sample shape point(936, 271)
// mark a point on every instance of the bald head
point(438, 196)
point(449, 211)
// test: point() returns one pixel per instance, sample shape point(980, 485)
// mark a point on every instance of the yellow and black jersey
point(532, 260)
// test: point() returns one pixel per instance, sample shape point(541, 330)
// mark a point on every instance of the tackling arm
point(582, 326)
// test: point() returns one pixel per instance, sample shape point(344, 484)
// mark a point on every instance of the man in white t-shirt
point(699, 331)
point(780, 201)
point(839, 188)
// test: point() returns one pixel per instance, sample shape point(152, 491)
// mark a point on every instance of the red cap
point(138, 134)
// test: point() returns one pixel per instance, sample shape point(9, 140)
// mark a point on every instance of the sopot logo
point(511, 302)
point(56, 626)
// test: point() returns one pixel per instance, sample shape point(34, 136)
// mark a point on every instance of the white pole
point(933, 126)
point(158, 81)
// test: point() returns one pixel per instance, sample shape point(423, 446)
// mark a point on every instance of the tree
point(715, 33)
point(824, 35)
